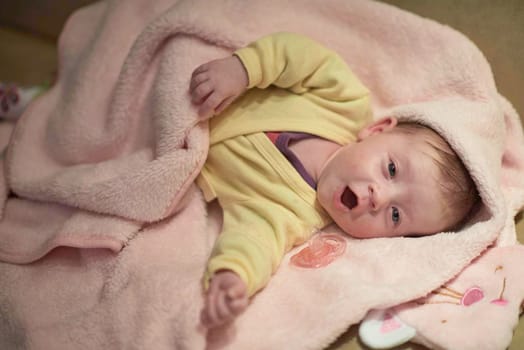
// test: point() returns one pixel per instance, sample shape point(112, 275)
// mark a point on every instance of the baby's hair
point(458, 190)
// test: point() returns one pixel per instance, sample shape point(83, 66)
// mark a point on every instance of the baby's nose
point(378, 197)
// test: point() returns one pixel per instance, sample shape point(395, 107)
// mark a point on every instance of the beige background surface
point(496, 26)
point(29, 29)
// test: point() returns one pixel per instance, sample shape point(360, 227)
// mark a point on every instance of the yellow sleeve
point(301, 65)
point(254, 238)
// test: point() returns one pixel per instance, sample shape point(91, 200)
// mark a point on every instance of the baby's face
point(385, 185)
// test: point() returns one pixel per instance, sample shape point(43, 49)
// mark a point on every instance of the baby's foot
point(14, 99)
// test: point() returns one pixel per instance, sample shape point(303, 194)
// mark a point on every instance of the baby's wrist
point(243, 71)
point(224, 272)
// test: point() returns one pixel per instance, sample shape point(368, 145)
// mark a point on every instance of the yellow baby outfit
point(295, 84)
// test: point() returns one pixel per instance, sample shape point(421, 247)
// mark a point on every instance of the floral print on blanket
point(469, 297)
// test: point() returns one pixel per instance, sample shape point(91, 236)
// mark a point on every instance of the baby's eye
point(392, 169)
point(395, 215)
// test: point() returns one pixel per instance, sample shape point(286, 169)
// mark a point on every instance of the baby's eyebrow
point(405, 165)
point(411, 201)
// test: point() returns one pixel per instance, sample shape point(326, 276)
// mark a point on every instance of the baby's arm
point(287, 60)
point(225, 299)
point(255, 235)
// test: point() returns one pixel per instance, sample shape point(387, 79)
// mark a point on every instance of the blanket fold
point(106, 159)
point(105, 149)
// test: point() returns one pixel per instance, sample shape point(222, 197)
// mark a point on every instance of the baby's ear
point(377, 127)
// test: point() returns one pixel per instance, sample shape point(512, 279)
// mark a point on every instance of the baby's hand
point(215, 84)
point(226, 298)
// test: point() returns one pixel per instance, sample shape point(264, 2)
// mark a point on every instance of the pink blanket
point(106, 158)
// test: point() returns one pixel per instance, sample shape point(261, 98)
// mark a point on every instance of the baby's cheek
point(345, 224)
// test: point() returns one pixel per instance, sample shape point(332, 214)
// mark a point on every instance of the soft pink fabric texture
point(104, 158)
point(485, 321)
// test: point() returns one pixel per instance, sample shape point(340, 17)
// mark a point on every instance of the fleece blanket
point(104, 161)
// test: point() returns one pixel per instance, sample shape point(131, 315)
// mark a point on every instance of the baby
point(298, 151)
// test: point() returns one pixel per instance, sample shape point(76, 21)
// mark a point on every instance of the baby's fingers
point(197, 79)
point(224, 104)
point(202, 91)
point(236, 306)
point(207, 109)
point(223, 310)
point(237, 291)
point(217, 310)
point(237, 297)
point(200, 69)
point(208, 315)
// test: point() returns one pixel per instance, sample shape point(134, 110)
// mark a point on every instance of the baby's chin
point(348, 231)
point(360, 233)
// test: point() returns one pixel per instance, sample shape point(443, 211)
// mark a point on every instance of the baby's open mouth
point(348, 198)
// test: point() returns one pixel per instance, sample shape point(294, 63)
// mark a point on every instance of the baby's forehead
point(421, 134)
point(419, 146)
point(431, 147)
